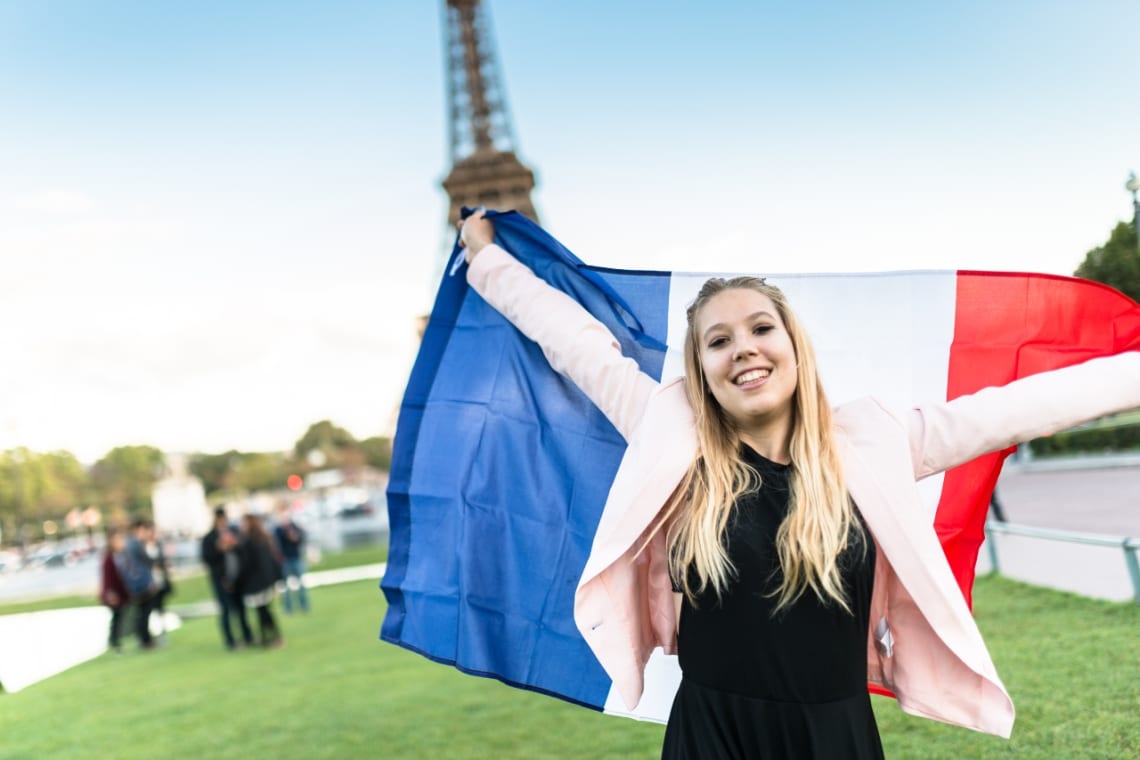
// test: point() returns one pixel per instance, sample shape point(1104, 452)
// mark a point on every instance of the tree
point(337, 446)
point(262, 472)
point(377, 452)
point(17, 490)
point(63, 483)
point(1116, 263)
point(125, 477)
point(234, 472)
point(36, 487)
point(216, 471)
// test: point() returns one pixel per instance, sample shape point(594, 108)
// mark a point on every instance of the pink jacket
point(923, 643)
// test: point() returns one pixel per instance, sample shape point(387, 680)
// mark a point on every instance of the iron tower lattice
point(484, 168)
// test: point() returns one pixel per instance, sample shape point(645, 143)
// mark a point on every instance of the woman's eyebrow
point(749, 318)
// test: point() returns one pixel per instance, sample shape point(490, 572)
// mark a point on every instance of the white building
point(179, 501)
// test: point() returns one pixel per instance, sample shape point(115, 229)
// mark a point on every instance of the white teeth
point(752, 376)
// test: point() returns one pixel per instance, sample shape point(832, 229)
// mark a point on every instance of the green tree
point(64, 483)
point(337, 446)
point(233, 472)
point(17, 490)
point(262, 472)
point(124, 478)
point(377, 452)
point(35, 487)
point(1116, 263)
point(218, 472)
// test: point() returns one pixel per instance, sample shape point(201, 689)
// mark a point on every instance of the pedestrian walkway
point(1084, 495)
point(37, 645)
point(209, 607)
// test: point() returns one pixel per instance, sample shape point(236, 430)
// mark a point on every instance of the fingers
point(467, 228)
point(478, 213)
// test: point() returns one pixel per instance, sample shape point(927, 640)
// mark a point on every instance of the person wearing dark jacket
point(112, 590)
point(291, 541)
point(258, 574)
point(219, 548)
point(139, 576)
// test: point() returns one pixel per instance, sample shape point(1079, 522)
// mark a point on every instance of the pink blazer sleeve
point(575, 343)
point(951, 433)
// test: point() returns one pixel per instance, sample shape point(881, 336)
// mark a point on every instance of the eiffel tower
point(484, 168)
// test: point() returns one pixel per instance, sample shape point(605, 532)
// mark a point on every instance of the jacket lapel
point(875, 453)
point(656, 459)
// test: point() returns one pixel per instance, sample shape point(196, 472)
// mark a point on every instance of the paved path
point(1073, 496)
point(209, 608)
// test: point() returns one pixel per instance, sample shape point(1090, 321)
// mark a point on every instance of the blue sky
point(218, 220)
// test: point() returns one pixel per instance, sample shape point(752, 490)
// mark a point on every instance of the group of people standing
point(246, 565)
point(136, 581)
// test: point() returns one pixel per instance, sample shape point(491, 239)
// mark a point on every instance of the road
point(1105, 501)
point(80, 578)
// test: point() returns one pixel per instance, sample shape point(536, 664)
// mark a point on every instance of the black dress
point(789, 686)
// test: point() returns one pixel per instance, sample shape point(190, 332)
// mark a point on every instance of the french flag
point(501, 466)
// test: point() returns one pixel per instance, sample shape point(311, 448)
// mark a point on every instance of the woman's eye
point(717, 342)
point(761, 329)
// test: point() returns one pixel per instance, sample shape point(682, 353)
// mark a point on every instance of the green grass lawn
point(335, 691)
point(195, 587)
point(1072, 666)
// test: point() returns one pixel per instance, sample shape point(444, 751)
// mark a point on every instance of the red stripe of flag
point(1008, 326)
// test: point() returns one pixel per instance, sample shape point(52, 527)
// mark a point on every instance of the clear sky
point(218, 220)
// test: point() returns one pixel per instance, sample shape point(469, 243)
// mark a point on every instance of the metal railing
point(1130, 546)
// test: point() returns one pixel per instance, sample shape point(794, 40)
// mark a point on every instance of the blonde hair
point(820, 514)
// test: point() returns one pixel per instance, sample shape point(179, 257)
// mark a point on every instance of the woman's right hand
point(476, 232)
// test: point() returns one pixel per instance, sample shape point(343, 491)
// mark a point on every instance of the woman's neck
point(768, 443)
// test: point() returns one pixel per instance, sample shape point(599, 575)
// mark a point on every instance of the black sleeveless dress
point(789, 686)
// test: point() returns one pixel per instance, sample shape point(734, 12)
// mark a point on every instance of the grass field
point(1073, 666)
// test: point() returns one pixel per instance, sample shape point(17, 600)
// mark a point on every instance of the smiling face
point(748, 361)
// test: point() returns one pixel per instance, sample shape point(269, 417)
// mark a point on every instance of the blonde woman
point(776, 545)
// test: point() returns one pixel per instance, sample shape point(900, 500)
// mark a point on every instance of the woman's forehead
point(734, 305)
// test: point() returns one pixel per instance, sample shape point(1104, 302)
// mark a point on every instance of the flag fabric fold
point(501, 467)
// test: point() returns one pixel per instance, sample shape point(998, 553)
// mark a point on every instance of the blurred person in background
point(112, 590)
point(996, 508)
point(219, 548)
point(163, 582)
point(139, 577)
point(258, 573)
point(291, 542)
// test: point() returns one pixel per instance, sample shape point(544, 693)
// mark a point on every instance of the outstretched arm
point(948, 434)
point(575, 343)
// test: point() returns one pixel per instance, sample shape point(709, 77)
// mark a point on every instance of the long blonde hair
point(820, 514)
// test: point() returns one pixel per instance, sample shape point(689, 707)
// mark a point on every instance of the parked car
point(51, 556)
point(364, 509)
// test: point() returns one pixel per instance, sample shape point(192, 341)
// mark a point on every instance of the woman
point(783, 539)
point(258, 574)
point(113, 591)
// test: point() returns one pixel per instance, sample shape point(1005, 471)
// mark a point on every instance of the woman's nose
point(743, 350)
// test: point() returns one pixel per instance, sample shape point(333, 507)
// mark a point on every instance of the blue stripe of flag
point(500, 470)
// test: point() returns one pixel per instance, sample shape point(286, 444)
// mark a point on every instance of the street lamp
point(1133, 186)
